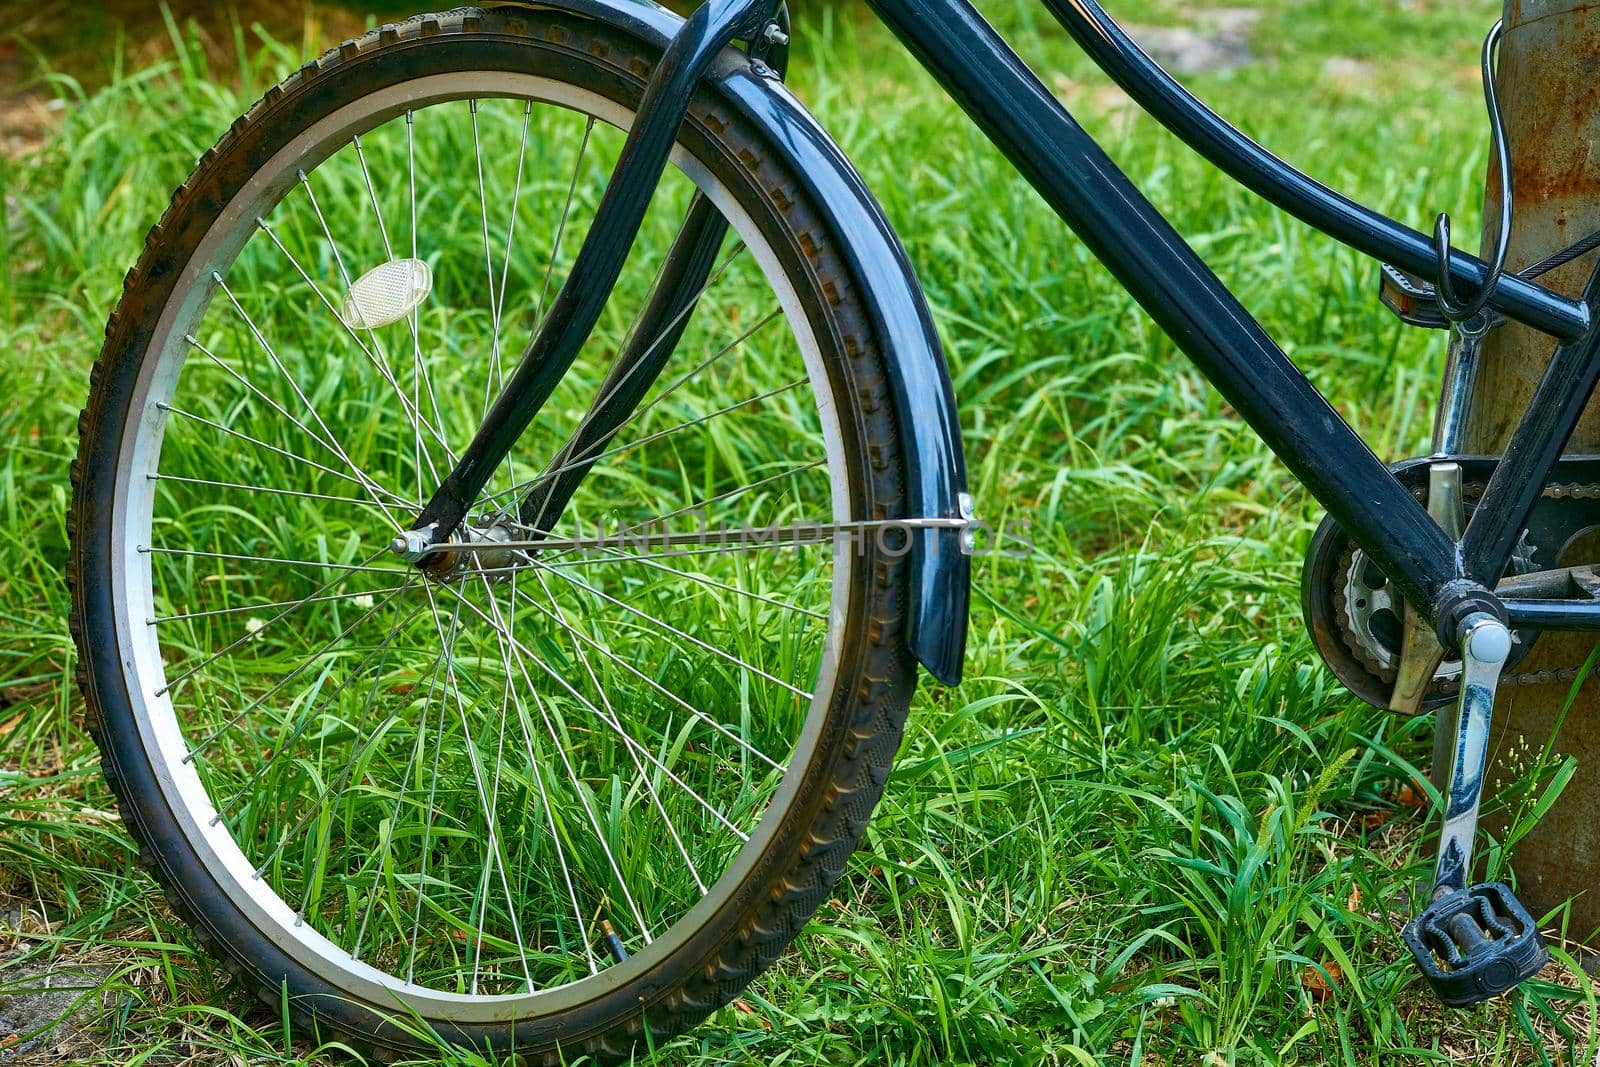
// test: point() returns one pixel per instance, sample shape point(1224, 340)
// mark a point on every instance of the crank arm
point(1472, 943)
point(1420, 651)
point(1485, 647)
point(599, 262)
point(1575, 582)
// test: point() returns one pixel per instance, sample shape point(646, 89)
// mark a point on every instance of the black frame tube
point(1536, 444)
point(1552, 614)
point(1302, 196)
point(1174, 285)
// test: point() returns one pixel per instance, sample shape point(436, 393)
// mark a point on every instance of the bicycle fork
point(1472, 942)
point(578, 304)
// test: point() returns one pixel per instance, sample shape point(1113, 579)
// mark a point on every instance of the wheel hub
point(481, 552)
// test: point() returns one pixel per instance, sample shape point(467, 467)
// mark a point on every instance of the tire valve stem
point(613, 942)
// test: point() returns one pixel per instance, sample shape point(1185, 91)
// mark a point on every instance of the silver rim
point(144, 613)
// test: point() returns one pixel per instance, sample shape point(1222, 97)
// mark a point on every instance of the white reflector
point(387, 293)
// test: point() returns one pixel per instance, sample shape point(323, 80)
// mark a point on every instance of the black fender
point(936, 475)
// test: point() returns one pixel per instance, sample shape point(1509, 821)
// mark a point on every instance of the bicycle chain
point(1447, 687)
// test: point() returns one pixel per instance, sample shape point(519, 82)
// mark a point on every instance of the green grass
point(1149, 816)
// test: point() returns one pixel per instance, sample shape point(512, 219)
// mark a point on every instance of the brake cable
point(1451, 305)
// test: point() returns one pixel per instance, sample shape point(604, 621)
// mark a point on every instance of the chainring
point(1371, 624)
point(1360, 641)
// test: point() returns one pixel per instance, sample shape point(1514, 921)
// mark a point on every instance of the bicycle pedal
point(1476, 943)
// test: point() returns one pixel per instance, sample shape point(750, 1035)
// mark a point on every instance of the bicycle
point(415, 754)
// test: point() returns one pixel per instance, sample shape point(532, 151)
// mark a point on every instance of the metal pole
point(1551, 103)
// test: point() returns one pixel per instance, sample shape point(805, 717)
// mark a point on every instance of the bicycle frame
point(996, 89)
point(1437, 575)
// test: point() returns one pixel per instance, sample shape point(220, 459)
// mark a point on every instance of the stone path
point(1217, 40)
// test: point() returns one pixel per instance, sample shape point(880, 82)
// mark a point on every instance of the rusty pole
point(1549, 83)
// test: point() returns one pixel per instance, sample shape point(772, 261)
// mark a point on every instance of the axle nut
point(412, 545)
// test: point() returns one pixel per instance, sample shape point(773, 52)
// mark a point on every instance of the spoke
point(544, 796)
point(495, 375)
point(561, 226)
point(306, 718)
point(283, 562)
point(668, 627)
point(384, 845)
point(280, 451)
point(333, 451)
point(713, 583)
point(335, 788)
point(494, 803)
point(333, 246)
point(372, 195)
point(600, 690)
point(492, 849)
point(344, 274)
point(600, 647)
point(277, 687)
point(524, 652)
point(318, 880)
point(516, 200)
point(366, 739)
point(248, 634)
point(588, 454)
point(519, 652)
point(422, 381)
point(416, 333)
point(264, 489)
point(446, 650)
point(495, 380)
point(511, 240)
point(380, 361)
point(369, 593)
point(494, 813)
point(495, 858)
point(549, 811)
point(294, 385)
point(382, 851)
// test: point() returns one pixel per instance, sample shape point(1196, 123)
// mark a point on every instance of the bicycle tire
point(753, 923)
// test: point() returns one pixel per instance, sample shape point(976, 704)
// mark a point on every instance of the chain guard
point(1570, 506)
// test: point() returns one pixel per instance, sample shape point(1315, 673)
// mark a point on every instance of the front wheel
point(552, 798)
